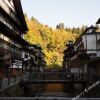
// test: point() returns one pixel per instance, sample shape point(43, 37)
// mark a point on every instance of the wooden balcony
point(8, 9)
point(7, 48)
point(11, 33)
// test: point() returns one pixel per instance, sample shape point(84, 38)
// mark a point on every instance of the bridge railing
point(88, 77)
point(59, 76)
point(7, 82)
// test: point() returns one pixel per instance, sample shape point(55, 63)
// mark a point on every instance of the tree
point(60, 26)
point(51, 40)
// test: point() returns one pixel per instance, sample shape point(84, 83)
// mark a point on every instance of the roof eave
point(20, 14)
point(98, 21)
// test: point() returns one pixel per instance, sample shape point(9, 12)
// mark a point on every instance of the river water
point(48, 90)
point(54, 90)
point(32, 90)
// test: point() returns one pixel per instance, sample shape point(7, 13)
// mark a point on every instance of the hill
point(51, 40)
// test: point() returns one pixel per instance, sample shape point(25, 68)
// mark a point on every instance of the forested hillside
point(51, 40)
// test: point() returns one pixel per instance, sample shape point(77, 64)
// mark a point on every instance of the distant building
point(37, 57)
point(86, 52)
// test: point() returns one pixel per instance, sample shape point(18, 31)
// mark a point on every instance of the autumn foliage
point(51, 40)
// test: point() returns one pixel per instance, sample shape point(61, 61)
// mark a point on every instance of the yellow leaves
point(51, 40)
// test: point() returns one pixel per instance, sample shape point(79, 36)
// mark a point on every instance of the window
point(6, 38)
point(1, 36)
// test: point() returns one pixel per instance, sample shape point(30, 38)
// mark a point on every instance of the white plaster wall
point(98, 53)
point(98, 39)
point(91, 42)
point(75, 70)
point(98, 36)
point(84, 41)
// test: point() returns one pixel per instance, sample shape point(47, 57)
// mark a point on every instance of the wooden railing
point(46, 76)
point(60, 76)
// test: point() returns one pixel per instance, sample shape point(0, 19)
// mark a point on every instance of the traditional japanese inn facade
point(18, 58)
point(12, 29)
point(83, 55)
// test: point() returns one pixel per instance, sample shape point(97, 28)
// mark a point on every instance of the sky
point(72, 13)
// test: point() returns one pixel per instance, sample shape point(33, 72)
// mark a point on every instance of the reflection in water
point(54, 87)
point(32, 90)
point(54, 90)
point(49, 90)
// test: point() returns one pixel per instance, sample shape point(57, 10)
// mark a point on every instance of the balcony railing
point(8, 10)
point(8, 23)
point(12, 49)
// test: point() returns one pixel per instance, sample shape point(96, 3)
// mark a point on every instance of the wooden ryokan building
point(17, 57)
point(12, 29)
point(83, 56)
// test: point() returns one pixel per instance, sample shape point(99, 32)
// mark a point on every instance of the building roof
point(91, 27)
point(85, 33)
point(98, 21)
point(77, 40)
point(20, 14)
